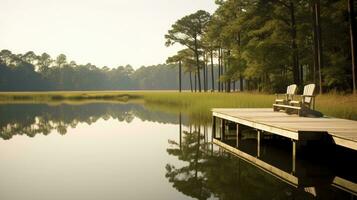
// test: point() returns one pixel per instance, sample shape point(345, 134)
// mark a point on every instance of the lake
point(131, 151)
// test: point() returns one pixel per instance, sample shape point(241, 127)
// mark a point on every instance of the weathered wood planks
point(343, 132)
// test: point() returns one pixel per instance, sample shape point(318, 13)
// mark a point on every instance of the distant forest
point(31, 72)
point(261, 45)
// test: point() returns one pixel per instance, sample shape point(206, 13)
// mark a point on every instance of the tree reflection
point(33, 119)
point(213, 172)
point(188, 179)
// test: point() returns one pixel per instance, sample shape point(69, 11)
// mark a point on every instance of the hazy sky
point(102, 32)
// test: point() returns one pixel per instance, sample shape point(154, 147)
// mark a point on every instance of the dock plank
point(344, 132)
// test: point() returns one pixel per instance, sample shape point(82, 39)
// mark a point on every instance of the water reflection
point(109, 151)
point(212, 171)
point(128, 151)
point(32, 119)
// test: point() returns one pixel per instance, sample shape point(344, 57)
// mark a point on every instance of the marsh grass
point(64, 95)
point(196, 105)
point(341, 106)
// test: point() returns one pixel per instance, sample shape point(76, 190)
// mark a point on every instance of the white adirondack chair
point(288, 96)
point(284, 99)
point(307, 98)
point(305, 106)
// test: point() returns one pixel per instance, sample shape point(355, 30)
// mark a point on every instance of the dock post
point(293, 170)
point(238, 133)
point(223, 124)
point(258, 142)
point(214, 127)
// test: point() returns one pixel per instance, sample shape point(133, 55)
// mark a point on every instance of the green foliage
point(270, 42)
point(187, 30)
point(30, 72)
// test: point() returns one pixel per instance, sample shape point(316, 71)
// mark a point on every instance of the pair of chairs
point(289, 103)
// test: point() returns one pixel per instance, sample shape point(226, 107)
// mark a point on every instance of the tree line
point(37, 119)
point(267, 44)
point(31, 72)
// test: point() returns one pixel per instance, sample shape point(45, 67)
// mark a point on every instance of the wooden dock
point(231, 125)
point(298, 180)
point(343, 132)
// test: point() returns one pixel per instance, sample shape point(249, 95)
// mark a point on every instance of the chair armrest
point(311, 96)
point(279, 94)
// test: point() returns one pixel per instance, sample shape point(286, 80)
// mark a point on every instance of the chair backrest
point(308, 90)
point(291, 90)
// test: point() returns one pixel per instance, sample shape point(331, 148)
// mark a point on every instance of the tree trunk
point(315, 47)
point(222, 70)
point(319, 43)
point(180, 76)
point(239, 64)
point(294, 45)
point(241, 88)
point(212, 72)
point(229, 81)
point(219, 70)
point(301, 74)
point(198, 65)
point(351, 16)
point(206, 66)
point(228, 85)
point(204, 72)
point(195, 82)
point(191, 81)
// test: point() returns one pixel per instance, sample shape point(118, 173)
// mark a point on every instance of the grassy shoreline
point(196, 105)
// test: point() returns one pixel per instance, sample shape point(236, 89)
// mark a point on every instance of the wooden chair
point(287, 97)
point(307, 98)
point(305, 106)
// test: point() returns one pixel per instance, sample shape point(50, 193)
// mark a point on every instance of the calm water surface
point(116, 151)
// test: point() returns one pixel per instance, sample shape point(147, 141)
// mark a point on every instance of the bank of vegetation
point(196, 105)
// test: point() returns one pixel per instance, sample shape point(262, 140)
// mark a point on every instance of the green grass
point(196, 105)
point(61, 95)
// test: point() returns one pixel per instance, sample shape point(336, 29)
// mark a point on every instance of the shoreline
point(195, 104)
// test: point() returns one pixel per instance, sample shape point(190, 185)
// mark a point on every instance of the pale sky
point(102, 32)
